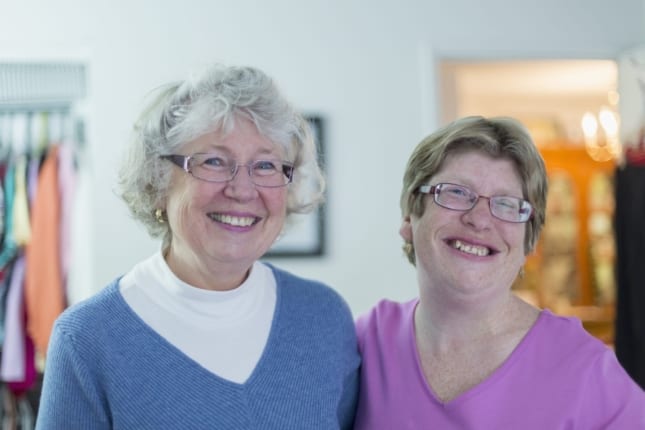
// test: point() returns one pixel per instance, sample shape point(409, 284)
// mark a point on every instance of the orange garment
point(44, 291)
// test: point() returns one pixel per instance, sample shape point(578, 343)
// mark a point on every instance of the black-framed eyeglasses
point(460, 198)
point(212, 167)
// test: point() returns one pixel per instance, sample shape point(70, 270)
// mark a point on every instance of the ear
point(406, 229)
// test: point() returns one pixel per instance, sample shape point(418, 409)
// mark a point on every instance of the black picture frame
point(306, 237)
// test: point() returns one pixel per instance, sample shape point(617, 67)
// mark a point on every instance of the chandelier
point(601, 134)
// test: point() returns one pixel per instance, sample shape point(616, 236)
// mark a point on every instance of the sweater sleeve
point(348, 401)
point(349, 395)
point(71, 398)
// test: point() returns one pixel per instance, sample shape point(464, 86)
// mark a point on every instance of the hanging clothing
point(630, 246)
point(12, 365)
point(44, 291)
point(67, 188)
point(21, 226)
point(9, 247)
point(36, 113)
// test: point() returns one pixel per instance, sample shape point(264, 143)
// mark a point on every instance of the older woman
point(468, 353)
point(202, 335)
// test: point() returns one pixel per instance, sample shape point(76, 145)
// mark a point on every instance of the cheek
point(432, 219)
point(182, 198)
point(516, 239)
point(527, 250)
point(276, 201)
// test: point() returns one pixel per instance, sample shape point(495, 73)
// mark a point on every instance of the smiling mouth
point(480, 251)
point(236, 221)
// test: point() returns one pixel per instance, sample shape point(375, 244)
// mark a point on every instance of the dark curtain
point(629, 226)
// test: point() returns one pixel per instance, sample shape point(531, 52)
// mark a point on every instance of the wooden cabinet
point(572, 269)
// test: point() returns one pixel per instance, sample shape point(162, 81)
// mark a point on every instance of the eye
point(214, 161)
point(265, 166)
point(508, 203)
point(456, 191)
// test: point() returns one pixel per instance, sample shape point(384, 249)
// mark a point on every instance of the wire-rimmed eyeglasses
point(213, 167)
point(460, 198)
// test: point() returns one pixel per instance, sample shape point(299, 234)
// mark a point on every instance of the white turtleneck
point(224, 331)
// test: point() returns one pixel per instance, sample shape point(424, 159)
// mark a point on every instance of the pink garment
point(19, 388)
point(32, 178)
point(17, 367)
point(12, 365)
point(67, 186)
point(559, 377)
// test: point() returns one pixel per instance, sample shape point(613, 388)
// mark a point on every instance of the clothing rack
point(38, 116)
point(44, 88)
point(41, 83)
point(37, 122)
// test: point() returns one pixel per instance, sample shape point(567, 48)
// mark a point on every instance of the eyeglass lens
point(214, 167)
point(461, 198)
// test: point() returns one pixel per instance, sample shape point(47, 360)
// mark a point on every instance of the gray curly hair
point(183, 111)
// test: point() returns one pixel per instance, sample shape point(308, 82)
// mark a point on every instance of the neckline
point(169, 348)
point(498, 373)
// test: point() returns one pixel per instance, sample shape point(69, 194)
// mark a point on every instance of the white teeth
point(471, 249)
point(234, 220)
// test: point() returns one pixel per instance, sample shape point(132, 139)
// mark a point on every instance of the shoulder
point(93, 316)
point(102, 300)
point(566, 333)
point(563, 343)
point(387, 318)
point(608, 395)
point(310, 305)
point(310, 311)
point(387, 312)
point(304, 290)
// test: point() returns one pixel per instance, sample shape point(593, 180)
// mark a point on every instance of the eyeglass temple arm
point(179, 160)
point(287, 170)
point(427, 189)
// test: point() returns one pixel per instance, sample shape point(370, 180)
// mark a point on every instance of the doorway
point(571, 109)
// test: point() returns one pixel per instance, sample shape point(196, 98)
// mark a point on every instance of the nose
point(241, 187)
point(480, 215)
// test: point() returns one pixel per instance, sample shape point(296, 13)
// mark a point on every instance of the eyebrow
point(504, 193)
point(261, 152)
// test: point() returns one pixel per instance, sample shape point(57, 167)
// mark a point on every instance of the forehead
point(242, 140)
point(481, 172)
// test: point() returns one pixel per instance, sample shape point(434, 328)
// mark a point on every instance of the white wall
point(366, 66)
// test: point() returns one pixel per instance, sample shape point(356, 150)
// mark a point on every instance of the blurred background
point(375, 77)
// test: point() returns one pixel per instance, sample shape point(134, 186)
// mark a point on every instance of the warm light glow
point(613, 97)
point(589, 125)
point(605, 146)
point(608, 121)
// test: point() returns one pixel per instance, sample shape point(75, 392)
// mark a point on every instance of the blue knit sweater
point(106, 369)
